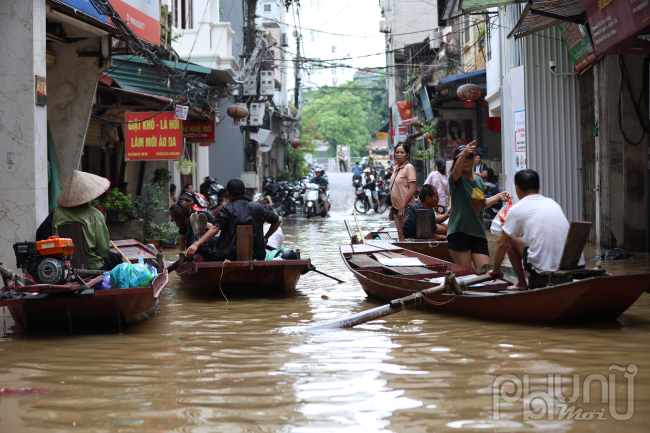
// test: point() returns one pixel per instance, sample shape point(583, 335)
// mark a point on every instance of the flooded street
point(207, 365)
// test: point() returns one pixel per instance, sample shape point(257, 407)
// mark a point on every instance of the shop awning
point(475, 77)
point(539, 15)
point(477, 5)
point(136, 74)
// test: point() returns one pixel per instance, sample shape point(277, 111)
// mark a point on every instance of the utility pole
point(249, 47)
point(296, 96)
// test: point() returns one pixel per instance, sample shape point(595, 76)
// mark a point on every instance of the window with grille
point(267, 8)
point(466, 28)
point(333, 48)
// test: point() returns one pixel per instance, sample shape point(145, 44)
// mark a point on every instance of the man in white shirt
point(533, 234)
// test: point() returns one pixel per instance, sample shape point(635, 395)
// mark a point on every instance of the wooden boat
point(81, 307)
point(431, 248)
point(594, 298)
point(242, 278)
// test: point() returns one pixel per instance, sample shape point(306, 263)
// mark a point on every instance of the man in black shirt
point(428, 200)
point(239, 211)
point(322, 183)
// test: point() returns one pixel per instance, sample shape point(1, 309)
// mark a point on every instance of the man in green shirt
point(74, 207)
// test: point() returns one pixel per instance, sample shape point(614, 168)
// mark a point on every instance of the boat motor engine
point(47, 261)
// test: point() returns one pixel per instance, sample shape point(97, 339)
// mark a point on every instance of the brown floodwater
point(205, 365)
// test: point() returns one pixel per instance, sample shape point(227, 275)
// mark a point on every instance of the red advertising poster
point(615, 23)
point(142, 16)
point(158, 137)
point(198, 132)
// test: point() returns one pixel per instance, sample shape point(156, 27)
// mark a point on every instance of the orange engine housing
point(55, 246)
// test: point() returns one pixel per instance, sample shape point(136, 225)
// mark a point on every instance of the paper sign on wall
point(520, 140)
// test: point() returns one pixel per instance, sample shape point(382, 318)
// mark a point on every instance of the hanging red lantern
point(426, 136)
point(469, 93)
point(295, 143)
point(237, 112)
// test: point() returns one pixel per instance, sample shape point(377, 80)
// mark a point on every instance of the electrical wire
point(625, 79)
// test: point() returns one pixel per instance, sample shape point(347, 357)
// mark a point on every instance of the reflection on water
point(206, 365)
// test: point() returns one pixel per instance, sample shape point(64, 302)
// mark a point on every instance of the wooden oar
point(397, 305)
point(354, 212)
point(328, 276)
point(118, 250)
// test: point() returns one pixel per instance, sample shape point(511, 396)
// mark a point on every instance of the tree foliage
point(348, 114)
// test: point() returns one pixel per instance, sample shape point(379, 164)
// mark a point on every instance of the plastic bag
point(503, 212)
point(153, 271)
point(105, 284)
point(126, 276)
point(495, 227)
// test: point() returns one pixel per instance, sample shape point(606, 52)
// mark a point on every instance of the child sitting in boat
point(191, 224)
point(533, 233)
point(428, 200)
point(239, 211)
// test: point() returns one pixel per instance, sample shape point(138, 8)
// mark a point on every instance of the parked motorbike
point(198, 201)
point(357, 183)
point(313, 204)
point(212, 190)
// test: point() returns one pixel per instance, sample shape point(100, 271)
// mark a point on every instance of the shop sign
point(198, 132)
point(153, 138)
point(86, 7)
point(424, 96)
point(520, 140)
point(612, 22)
point(578, 44)
point(142, 16)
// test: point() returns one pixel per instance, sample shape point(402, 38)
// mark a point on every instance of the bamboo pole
point(354, 212)
point(118, 250)
point(395, 306)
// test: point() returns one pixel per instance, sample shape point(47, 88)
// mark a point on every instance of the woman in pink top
point(439, 180)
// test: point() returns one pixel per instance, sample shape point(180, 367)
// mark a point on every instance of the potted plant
point(167, 233)
point(161, 176)
point(97, 204)
point(186, 166)
point(149, 206)
point(119, 207)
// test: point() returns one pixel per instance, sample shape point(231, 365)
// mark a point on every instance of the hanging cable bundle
point(186, 88)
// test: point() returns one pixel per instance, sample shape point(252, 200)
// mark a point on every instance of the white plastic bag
point(496, 225)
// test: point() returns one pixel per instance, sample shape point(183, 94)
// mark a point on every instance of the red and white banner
point(142, 16)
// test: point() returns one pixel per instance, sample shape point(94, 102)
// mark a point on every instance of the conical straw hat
point(81, 188)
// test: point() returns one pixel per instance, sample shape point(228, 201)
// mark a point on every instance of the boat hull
point(242, 279)
point(590, 299)
point(90, 310)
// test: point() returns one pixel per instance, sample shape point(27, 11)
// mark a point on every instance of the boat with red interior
point(77, 305)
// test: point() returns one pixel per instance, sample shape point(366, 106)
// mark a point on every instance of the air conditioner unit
point(284, 40)
point(250, 87)
point(256, 115)
point(384, 26)
point(267, 83)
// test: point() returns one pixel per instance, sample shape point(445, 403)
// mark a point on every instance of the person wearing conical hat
point(74, 207)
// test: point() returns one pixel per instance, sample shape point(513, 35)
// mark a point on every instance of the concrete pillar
point(23, 127)
point(72, 82)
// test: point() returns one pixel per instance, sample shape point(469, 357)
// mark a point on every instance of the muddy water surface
point(204, 365)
